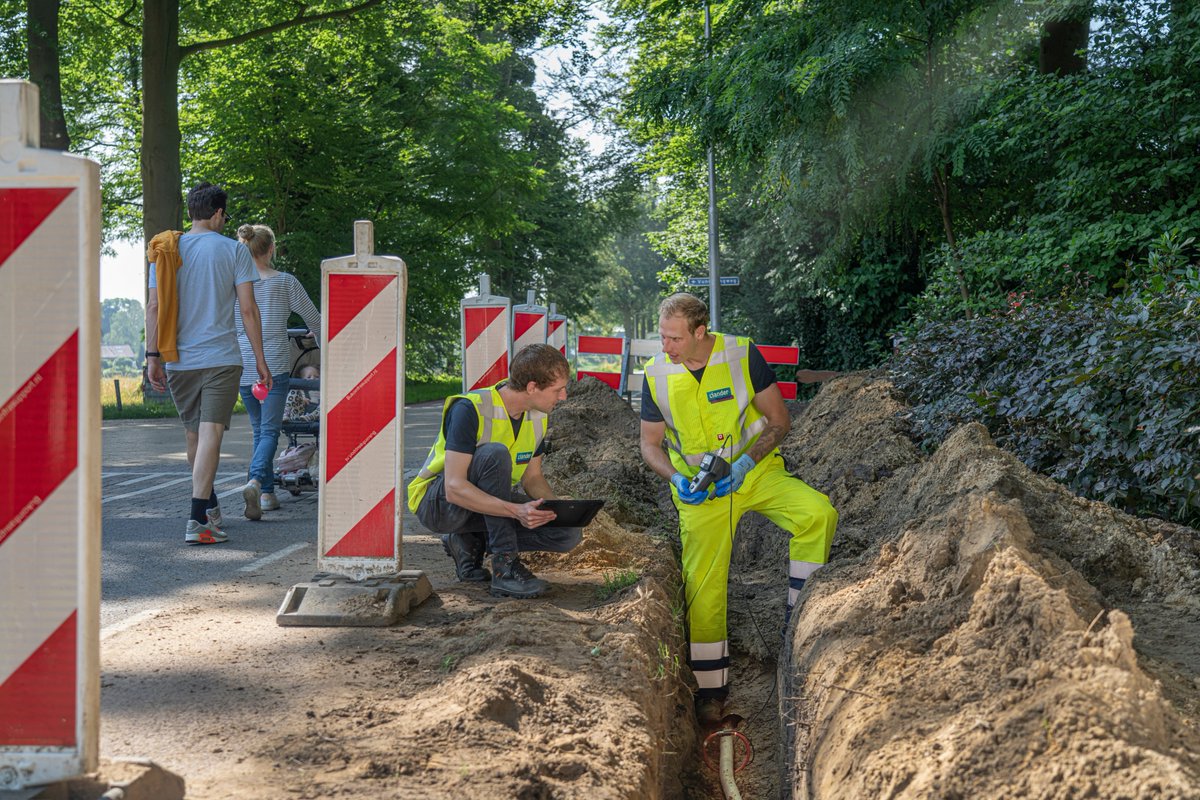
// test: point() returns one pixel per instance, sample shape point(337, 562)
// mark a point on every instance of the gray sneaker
point(198, 533)
point(251, 493)
point(214, 517)
point(268, 501)
point(511, 578)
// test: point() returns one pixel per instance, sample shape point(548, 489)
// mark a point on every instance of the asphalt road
point(146, 498)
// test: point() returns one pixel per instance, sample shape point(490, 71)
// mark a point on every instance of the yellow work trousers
point(706, 532)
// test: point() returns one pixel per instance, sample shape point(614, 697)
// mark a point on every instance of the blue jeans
point(266, 418)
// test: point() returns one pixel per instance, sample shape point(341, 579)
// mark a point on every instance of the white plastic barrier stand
point(485, 331)
point(643, 350)
point(362, 410)
point(49, 453)
point(556, 330)
point(529, 324)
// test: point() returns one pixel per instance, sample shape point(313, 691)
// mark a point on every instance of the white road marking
point(165, 484)
point(128, 622)
point(142, 479)
point(278, 554)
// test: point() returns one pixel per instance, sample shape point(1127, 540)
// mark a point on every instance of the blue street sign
point(724, 280)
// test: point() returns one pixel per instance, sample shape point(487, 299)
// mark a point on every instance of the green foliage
point(877, 161)
point(1103, 395)
point(438, 387)
point(615, 582)
point(420, 117)
point(122, 321)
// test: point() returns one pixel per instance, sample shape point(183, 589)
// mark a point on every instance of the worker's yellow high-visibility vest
point(495, 425)
point(716, 413)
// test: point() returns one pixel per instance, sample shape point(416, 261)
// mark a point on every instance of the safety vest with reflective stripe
point(495, 425)
point(702, 416)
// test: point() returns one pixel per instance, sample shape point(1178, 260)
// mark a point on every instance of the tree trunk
point(41, 34)
point(161, 173)
point(1063, 47)
point(162, 207)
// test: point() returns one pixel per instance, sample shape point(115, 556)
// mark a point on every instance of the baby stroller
point(296, 468)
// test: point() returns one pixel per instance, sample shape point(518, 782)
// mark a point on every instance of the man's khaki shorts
point(204, 395)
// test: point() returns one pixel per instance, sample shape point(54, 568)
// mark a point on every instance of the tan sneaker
point(268, 501)
point(252, 493)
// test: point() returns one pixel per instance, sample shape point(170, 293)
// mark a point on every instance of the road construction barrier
point(362, 410)
point(485, 337)
point(594, 352)
point(49, 453)
point(640, 351)
point(529, 324)
point(556, 330)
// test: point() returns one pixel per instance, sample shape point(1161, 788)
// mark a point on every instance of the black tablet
point(572, 513)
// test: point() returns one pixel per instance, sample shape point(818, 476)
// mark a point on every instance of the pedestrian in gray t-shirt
point(194, 280)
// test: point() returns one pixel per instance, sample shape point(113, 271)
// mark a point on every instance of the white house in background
point(108, 352)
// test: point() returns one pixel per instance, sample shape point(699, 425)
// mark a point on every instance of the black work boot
point(511, 578)
point(467, 552)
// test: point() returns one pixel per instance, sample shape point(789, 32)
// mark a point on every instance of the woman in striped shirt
point(278, 294)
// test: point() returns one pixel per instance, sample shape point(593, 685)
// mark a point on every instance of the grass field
point(133, 407)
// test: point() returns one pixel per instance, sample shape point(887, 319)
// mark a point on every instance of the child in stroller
point(296, 467)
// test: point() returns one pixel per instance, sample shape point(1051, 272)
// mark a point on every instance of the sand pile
point(980, 632)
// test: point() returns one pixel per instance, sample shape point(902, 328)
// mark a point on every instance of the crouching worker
point(482, 484)
point(714, 393)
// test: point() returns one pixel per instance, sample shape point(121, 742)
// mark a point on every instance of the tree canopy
point(882, 163)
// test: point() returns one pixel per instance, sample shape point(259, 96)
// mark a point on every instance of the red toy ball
point(259, 390)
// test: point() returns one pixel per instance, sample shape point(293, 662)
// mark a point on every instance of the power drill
point(712, 469)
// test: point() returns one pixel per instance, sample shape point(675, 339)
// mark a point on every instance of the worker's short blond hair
point(688, 306)
point(539, 363)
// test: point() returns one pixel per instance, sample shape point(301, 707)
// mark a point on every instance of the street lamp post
point(714, 284)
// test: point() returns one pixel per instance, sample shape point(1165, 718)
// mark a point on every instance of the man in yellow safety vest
point(714, 393)
point(490, 444)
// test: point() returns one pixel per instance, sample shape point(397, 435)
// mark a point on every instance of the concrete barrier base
point(340, 601)
point(117, 779)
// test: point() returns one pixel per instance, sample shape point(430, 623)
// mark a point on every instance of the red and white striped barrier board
point(556, 331)
point(485, 338)
point(362, 410)
point(782, 354)
point(587, 347)
point(529, 325)
point(49, 453)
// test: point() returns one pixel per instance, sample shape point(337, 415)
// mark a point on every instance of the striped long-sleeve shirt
point(277, 297)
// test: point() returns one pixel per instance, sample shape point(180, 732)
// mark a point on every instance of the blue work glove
point(681, 485)
point(734, 480)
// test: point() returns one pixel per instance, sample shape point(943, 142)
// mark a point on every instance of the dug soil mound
point(979, 632)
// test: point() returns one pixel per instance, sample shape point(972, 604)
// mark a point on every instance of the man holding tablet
point(482, 485)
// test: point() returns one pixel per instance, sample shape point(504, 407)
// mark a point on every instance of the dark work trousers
point(491, 471)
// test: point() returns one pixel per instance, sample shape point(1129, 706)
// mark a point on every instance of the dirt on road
point(978, 633)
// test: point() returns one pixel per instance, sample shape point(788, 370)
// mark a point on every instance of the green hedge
point(1103, 396)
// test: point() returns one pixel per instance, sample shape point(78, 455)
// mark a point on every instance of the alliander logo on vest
point(523, 458)
point(720, 395)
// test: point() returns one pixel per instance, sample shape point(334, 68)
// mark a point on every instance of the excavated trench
point(979, 631)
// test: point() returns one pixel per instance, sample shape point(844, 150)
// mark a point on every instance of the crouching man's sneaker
point(467, 551)
point(511, 578)
point(200, 533)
